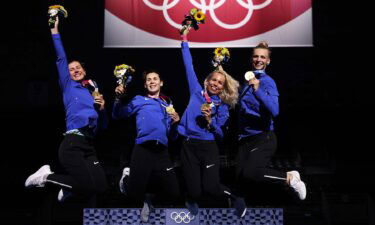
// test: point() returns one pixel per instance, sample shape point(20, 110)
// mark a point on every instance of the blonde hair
point(263, 45)
point(229, 95)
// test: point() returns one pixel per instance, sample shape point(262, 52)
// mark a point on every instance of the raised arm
point(121, 109)
point(61, 62)
point(189, 68)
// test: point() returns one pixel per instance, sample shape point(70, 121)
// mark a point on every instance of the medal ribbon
point(166, 100)
point(207, 97)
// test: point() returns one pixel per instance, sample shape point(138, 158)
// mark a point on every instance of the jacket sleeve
point(268, 96)
point(61, 62)
point(173, 133)
point(189, 69)
point(219, 122)
point(121, 110)
point(102, 120)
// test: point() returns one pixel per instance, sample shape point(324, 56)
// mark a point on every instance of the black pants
point(200, 165)
point(151, 170)
point(254, 155)
point(85, 175)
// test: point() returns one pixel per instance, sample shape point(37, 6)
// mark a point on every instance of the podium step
point(176, 216)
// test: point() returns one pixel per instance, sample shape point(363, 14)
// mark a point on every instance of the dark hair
point(146, 72)
point(263, 45)
point(83, 65)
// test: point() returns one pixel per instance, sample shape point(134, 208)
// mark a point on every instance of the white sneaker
point(38, 179)
point(125, 172)
point(297, 184)
point(63, 195)
point(146, 210)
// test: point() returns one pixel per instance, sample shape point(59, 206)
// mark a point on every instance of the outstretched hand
point(255, 83)
point(206, 112)
point(175, 117)
point(100, 101)
point(120, 90)
point(55, 29)
point(185, 30)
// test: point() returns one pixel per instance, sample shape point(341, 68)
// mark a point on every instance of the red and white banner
point(229, 23)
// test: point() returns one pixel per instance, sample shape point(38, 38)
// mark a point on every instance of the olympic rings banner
point(180, 216)
point(229, 23)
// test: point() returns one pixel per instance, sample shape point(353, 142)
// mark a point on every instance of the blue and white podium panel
point(172, 216)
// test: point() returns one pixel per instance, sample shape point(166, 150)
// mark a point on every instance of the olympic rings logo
point(182, 217)
point(210, 7)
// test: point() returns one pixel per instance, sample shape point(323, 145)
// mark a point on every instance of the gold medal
point(95, 94)
point(169, 109)
point(249, 75)
point(205, 106)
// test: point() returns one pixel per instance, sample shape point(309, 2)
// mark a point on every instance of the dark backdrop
point(325, 91)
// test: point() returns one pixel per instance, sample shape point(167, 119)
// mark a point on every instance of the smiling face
point(215, 83)
point(77, 72)
point(260, 58)
point(153, 83)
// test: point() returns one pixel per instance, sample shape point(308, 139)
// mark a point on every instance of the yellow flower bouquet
point(54, 11)
point(193, 19)
point(221, 56)
point(123, 73)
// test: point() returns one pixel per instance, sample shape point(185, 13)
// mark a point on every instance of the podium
point(181, 216)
